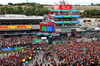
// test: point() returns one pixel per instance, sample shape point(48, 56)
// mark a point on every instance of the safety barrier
point(12, 49)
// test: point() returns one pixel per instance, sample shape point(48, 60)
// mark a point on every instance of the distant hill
point(28, 9)
point(24, 8)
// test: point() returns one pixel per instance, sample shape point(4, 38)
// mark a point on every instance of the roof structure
point(19, 17)
point(78, 7)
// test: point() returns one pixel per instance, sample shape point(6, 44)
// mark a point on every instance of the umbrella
point(26, 62)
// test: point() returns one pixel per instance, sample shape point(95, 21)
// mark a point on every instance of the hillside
point(24, 8)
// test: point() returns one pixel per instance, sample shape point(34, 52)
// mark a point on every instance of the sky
point(82, 2)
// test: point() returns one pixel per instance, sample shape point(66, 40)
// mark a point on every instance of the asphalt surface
point(45, 61)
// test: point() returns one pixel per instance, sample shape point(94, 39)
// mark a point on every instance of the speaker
point(50, 40)
point(73, 32)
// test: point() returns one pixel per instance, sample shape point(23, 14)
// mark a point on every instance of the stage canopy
point(47, 34)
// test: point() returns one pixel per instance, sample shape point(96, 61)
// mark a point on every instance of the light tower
point(26, 1)
point(63, 2)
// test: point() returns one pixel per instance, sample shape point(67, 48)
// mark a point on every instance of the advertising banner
point(7, 49)
point(62, 7)
point(15, 27)
point(37, 40)
point(19, 48)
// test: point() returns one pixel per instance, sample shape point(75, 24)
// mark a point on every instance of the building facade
point(19, 24)
point(64, 18)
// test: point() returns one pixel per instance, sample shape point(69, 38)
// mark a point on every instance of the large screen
point(47, 27)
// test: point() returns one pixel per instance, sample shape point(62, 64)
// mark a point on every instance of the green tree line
point(35, 10)
point(91, 13)
point(92, 4)
point(21, 4)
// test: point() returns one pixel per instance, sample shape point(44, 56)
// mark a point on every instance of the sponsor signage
point(19, 48)
point(11, 49)
point(62, 7)
point(7, 49)
point(15, 27)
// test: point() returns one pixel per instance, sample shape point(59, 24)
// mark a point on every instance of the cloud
point(11, 1)
point(51, 1)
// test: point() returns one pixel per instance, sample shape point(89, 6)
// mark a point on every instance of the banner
point(62, 7)
point(15, 27)
point(55, 34)
point(7, 49)
point(37, 40)
point(19, 48)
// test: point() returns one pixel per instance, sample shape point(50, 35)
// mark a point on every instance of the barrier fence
point(12, 49)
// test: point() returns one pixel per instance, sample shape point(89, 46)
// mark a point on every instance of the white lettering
point(65, 7)
point(56, 7)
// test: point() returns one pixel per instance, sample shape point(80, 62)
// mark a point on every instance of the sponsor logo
point(15, 26)
point(56, 7)
point(21, 26)
point(65, 7)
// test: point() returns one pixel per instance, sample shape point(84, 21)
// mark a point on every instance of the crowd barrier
point(12, 49)
point(7, 49)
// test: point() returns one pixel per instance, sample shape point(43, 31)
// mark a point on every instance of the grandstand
point(81, 7)
point(14, 24)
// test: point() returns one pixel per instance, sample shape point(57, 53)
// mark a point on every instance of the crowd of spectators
point(16, 59)
point(68, 54)
point(15, 41)
point(79, 53)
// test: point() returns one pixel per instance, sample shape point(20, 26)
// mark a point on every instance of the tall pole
point(26, 1)
point(60, 1)
point(63, 2)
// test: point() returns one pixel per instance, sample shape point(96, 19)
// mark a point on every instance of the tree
point(1, 5)
point(8, 11)
point(25, 7)
point(85, 13)
point(27, 12)
point(98, 4)
point(40, 6)
point(33, 11)
point(46, 11)
point(92, 4)
point(77, 5)
point(92, 13)
point(37, 9)
point(20, 11)
point(15, 11)
point(2, 10)
point(10, 4)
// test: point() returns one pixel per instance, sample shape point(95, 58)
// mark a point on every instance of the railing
point(14, 33)
point(64, 10)
point(65, 16)
point(61, 22)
